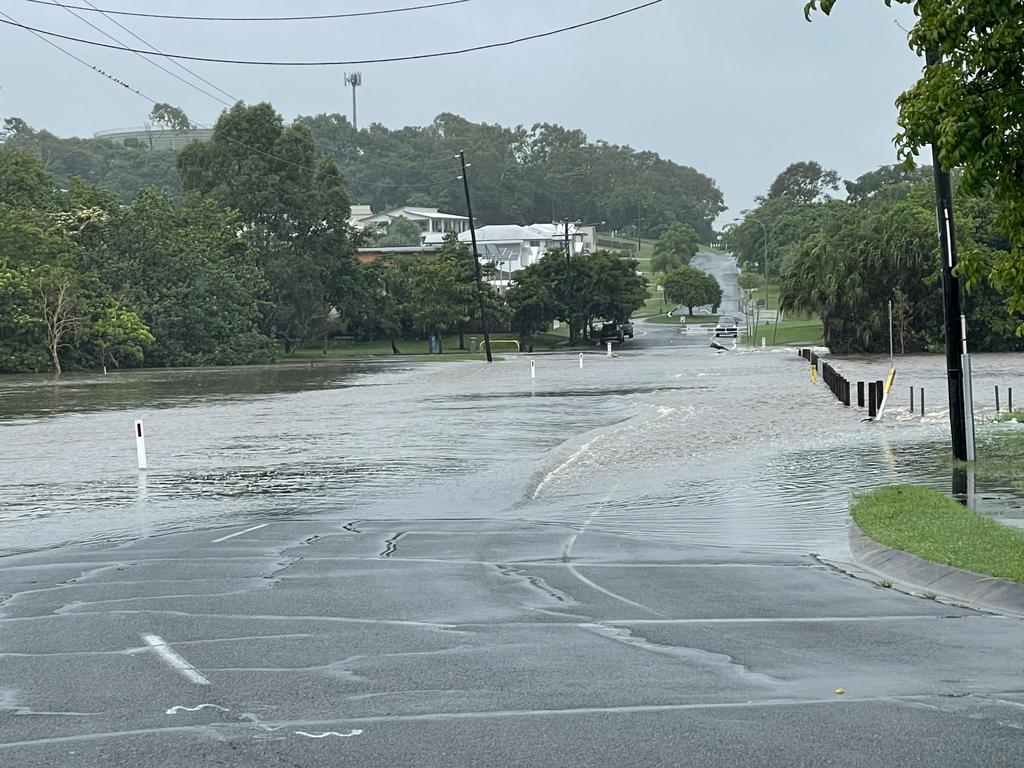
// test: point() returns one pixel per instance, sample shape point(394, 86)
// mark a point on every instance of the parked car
point(611, 332)
point(627, 328)
point(726, 327)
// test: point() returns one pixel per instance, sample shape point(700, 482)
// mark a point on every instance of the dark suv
point(611, 332)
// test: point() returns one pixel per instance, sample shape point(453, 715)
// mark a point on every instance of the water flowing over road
point(393, 562)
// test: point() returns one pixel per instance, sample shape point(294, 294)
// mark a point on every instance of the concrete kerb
point(945, 583)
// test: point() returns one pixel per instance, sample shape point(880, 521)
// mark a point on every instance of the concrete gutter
point(945, 583)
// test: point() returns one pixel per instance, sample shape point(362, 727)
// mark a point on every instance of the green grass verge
point(543, 342)
point(809, 332)
point(690, 320)
point(1017, 415)
point(934, 527)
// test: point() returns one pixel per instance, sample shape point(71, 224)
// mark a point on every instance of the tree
point(24, 182)
point(170, 117)
point(804, 182)
point(970, 105)
point(190, 274)
point(120, 336)
point(677, 246)
point(401, 232)
point(612, 287)
point(294, 211)
point(691, 287)
point(749, 281)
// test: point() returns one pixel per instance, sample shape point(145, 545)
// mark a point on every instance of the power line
point(261, 18)
point(383, 60)
point(157, 50)
point(145, 58)
point(85, 63)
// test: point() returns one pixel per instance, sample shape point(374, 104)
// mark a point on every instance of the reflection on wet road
point(679, 444)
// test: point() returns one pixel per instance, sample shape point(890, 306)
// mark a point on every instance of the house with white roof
point(511, 247)
point(356, 215)
point(429, 220)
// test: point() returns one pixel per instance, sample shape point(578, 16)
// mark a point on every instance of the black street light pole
point(476, 258)
point(956, 324)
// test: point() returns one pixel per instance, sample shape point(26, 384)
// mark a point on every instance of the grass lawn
point(690, 319)
point(934, 527)
point(543, 342)
point(808, 332)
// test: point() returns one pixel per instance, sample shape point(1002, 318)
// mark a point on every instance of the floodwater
point(735, 450)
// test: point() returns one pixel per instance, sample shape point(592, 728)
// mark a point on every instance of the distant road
point(723, 267)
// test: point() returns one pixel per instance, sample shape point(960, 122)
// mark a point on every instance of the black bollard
point(846, 393)
point(911, 399)
point(997, 398)
point(879, 392)
point(871, 400)
point(860, 394)
point(922, 401)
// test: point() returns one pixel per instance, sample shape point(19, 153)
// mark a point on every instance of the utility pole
point(476, 257)
point(956, 322)
point(355, 80)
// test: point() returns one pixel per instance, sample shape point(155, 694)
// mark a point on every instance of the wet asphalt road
point(616, 571)
point(472, 643)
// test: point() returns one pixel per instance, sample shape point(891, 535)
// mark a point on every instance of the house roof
point(414, 213)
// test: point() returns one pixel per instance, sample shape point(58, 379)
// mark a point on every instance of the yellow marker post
point(814, 374)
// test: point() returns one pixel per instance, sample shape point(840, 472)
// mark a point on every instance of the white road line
point(174, 660)
point(239, 533)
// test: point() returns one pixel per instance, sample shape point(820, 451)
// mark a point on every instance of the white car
point(726, 327)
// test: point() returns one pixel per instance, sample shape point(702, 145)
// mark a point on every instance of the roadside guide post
point(140, 444)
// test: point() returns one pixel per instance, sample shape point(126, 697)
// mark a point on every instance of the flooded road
point(677, 444)
point(443, 564)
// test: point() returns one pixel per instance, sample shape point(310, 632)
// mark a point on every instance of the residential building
point(357, 214)
point(429, 220)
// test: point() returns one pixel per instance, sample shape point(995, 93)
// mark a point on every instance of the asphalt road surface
point(460, 565)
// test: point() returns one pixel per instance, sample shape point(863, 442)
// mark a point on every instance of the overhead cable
point(346, 62)
point(157, 50)
point(145, 57)
point(322, 17)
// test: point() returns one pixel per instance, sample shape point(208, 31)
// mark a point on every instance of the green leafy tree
point(690, 287)
point(171, 117)
point(677, 246)
point(970, 105)
point(803, 182)
point(293, 209)
point(401, 232)
point(120, 337)
point(184, 268)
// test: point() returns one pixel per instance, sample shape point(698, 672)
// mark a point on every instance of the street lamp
point(764, 227)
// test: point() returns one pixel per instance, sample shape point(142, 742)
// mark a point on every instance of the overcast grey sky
point(735, 88)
